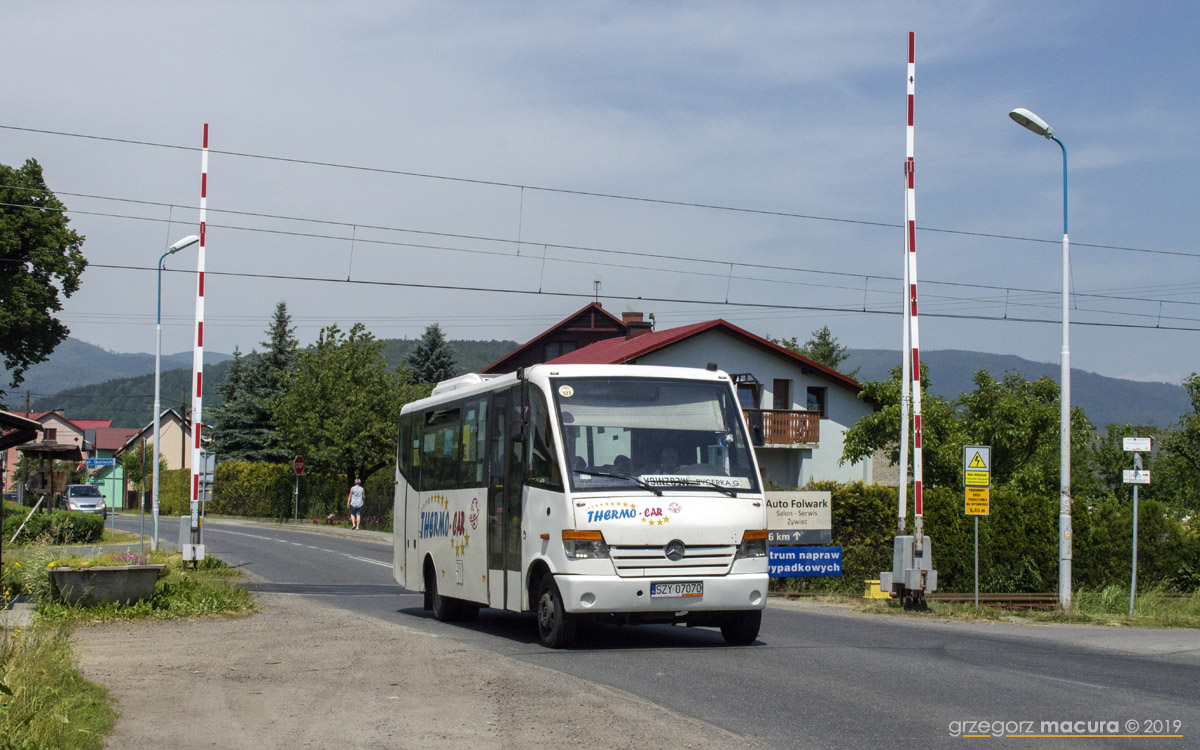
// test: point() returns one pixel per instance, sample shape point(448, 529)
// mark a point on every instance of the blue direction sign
point(100, 461)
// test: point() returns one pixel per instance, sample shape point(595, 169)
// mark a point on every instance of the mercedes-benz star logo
point(675, 550)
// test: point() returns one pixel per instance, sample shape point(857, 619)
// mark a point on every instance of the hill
point(129, 401)
point(88, 382)
point(77, 363)
point(1105, 400)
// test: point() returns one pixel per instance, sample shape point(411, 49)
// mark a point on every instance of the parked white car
point(83, 498)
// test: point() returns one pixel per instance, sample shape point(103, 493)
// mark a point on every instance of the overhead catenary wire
point(582, 193)
point(658, 256)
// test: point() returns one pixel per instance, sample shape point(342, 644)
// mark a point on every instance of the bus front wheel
point(444, 609)
point(556, 628)
point(741, 629)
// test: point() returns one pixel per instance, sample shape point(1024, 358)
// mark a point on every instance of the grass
point(208, 591)
point(45, 702)
point(1155, 608)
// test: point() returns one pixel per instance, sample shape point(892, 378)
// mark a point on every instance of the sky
point(493, 167)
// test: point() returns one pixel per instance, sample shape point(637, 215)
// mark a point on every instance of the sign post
point(111, 463)
point(977, 482)
point(298, 467)
point(1135, 445)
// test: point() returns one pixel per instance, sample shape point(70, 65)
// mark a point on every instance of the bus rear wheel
point(741, 628)
point(556, 628)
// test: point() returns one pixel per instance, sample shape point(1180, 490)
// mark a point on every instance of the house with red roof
point(798, 410)
point(581, 328)
point(56, 428)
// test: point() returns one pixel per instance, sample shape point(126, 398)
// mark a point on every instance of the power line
point(658, 256)
point(584, 193)
point(633, 298)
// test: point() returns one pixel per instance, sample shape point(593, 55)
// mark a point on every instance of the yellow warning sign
point(977, 501)
point(977, 466)
point(977, 479)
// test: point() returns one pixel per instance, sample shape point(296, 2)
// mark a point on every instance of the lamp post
point(191, 239)
point(1035, 124)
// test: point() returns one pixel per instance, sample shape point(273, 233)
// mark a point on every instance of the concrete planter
point(105, 583)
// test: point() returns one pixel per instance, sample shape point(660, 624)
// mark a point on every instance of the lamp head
point(188, 241)
point(1031, 122)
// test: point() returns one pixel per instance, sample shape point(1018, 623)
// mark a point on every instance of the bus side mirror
point(519, 424)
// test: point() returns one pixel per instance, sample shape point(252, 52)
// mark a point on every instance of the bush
point(266, 490)
point(56, 527)
point(1018, 542)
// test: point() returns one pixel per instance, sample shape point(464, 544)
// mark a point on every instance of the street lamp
point(188, 241)
point(1035, 124)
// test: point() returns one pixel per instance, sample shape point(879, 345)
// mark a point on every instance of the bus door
point(504, 503)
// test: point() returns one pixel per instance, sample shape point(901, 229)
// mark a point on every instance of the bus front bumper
point(612, 594)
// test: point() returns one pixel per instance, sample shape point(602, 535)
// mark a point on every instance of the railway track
point(1005, 601)
point(1002, 601)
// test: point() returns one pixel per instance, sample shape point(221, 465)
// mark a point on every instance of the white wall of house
point(788, 466)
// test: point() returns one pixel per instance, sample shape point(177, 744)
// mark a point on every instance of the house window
point(51, 434)
point(558, 348)
point(781, 394)
point(816, 400)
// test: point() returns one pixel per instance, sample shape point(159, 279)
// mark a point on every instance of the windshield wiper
point(626, 477)
point(727, 490)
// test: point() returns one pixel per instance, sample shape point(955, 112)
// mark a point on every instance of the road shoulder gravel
point(301, 673)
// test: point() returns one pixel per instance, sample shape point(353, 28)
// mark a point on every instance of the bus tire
point(741, 628)
point(556, 628)
point(444, 609)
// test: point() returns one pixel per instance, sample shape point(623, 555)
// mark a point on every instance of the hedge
point(1018, 542)
point(56, 527)
point(264, 490)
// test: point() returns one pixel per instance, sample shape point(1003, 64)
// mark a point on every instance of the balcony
point(783, 427)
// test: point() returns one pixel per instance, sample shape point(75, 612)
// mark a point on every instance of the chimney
point(635, 326)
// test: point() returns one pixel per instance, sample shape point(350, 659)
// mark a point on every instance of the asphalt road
point(819, 676)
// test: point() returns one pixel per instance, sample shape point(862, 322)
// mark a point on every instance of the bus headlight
point(584, 545)
point(754, 544)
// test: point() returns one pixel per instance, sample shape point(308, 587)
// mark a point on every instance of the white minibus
point(623, 493)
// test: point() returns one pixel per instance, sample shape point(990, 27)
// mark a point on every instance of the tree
point(1021, 421)
point(242, 424)
point(822, 347)
point(40, 258)
point(279, 350)
point(432, 360)
point(1182, 448)
point(340, 405)
point(134, 459)
point(941, 431)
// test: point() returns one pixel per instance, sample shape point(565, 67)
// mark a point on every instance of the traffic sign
point(1136, 476)
point(977, 466)
point(977, 501)
point(298, 465)
point(1136, 444)
point(100, 461)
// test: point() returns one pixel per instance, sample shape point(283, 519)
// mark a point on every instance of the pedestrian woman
point(354, 502)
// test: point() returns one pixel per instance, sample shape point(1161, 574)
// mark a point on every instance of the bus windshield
point(659, 433)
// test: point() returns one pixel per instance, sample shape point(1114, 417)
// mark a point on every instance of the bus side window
point(543, 459)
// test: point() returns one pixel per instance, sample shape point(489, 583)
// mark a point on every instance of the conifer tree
point(239, 432)
point(432, 359)
point(242, 423)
